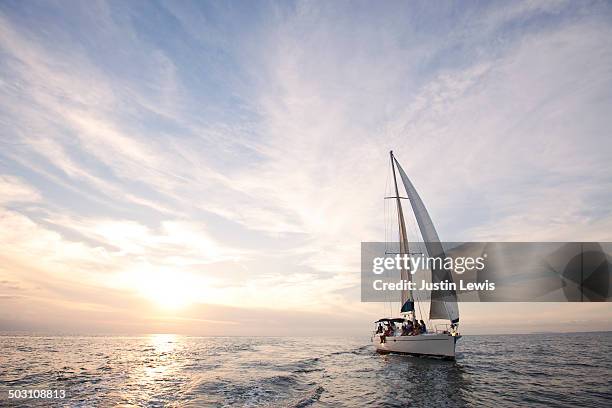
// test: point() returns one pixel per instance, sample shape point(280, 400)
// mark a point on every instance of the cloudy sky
point(212, 167)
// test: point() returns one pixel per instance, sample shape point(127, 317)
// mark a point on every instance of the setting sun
point(168, 290)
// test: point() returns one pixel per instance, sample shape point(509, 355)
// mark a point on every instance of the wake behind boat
point(405, 334)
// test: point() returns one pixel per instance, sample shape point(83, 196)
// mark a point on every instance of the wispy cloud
point(13, 190)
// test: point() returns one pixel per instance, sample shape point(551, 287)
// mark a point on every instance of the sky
point(211, 168)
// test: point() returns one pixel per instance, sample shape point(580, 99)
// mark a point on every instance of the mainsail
point(444, 302)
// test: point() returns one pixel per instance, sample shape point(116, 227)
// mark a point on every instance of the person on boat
point(409, 328)
point(379, 330)
point(385, 332)
point(417, 329)
point(405, 331)
point(423, 327)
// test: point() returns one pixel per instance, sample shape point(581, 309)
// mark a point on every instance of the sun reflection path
point(156, 378)
point(163, 343)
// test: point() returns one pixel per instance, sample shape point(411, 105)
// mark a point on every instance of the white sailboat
point(438, 342)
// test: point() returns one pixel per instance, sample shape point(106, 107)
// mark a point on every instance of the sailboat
point(440, 340)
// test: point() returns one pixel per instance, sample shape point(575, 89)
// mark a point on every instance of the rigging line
point(387, 304)
point(387, 301)
point(388, 238)
point(387, 214)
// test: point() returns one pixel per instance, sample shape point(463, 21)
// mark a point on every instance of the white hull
point(435, 344)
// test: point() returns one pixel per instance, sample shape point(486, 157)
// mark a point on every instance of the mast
point(407, 300)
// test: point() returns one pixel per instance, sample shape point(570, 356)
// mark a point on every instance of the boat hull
point(434, 345)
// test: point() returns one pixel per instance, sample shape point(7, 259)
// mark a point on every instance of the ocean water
point(164, 370)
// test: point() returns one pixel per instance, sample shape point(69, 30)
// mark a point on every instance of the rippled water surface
point(165, 370)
